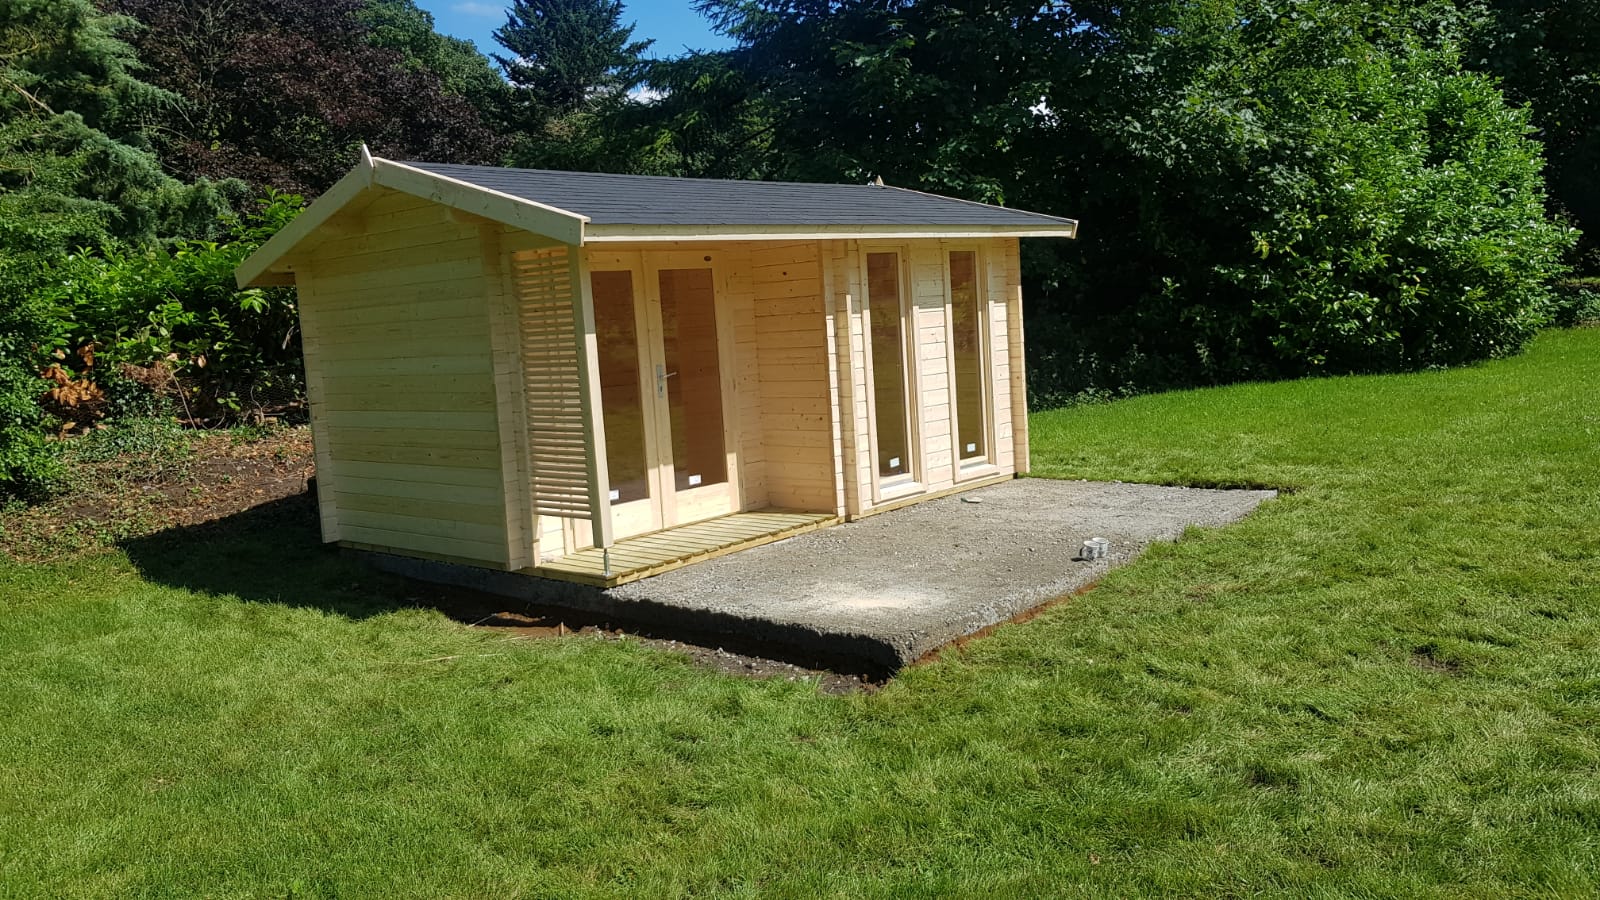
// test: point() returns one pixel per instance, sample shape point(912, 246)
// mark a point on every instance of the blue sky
point(673, 24)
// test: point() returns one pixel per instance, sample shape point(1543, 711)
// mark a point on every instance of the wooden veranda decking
point(662, 551)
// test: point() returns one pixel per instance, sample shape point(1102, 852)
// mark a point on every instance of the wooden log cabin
point(598, 377)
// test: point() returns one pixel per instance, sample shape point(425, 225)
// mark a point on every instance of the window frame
point(898, 486)
point(966, 470)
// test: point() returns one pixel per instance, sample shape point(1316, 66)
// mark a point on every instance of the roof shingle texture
point(652, 200)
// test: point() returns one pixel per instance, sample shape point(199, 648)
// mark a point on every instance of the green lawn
point(1385, 683)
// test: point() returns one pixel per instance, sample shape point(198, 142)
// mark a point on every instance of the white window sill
point(898, 490)
point(978, 468)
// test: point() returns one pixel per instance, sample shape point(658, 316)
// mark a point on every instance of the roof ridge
point(418, 164)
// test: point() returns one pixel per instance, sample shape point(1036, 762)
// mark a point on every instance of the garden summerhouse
point(599, 377)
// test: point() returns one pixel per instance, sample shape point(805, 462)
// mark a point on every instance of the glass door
point(894, 436)
point(628, 410)
point(973, 364)
point(663, 395)
point(697, 471)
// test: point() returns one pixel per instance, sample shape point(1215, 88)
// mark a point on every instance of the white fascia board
point(316, 215)
point(539, 218)
point(604, 234)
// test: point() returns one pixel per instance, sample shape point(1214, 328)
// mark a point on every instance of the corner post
point(842, 361)
point(590, 402)
point(1018, 358)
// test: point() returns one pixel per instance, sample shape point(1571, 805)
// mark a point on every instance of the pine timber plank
point(662, 551)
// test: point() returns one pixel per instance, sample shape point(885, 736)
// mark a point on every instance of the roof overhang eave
point(612, 234)
point(262, 266)
point(255, 271)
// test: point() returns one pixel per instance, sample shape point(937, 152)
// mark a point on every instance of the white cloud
point(474, 8)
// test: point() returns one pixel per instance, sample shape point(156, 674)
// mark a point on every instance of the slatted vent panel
point(560, 451)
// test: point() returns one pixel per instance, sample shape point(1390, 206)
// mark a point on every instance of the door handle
point(661, 380)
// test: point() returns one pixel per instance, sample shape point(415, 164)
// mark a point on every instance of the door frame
point(636, 516)
point(667, 506)
point(694, 504)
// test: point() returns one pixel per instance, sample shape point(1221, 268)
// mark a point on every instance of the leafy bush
point(179, 310)
point(1303, 188)
point(1577, 302)
point(30, 466)
point(1407, 225)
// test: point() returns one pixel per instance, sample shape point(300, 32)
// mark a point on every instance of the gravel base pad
point(877, 594)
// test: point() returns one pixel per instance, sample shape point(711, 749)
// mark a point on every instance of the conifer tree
point(74, 166)
point(570, 64)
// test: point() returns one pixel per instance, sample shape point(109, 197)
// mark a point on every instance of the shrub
point(30, 467)
point(177, 309)
point(1577, 302)
point(1408, 222)
point(1288, 189)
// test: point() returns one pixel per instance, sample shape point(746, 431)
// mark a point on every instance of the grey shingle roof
point(651, 200)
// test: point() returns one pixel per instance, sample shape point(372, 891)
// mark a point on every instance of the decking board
point(651, 554)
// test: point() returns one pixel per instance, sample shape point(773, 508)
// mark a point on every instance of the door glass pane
point(888, 365)
point(621, 399)
point(693, 376)
point(966, 321)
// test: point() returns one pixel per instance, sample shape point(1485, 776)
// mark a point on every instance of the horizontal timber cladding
point(1000, 335)
point(928, 317)
point(750, 393)
point(400, 378)
point(566, 451)
point(792, 360)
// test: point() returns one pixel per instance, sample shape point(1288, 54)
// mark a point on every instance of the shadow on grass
point(271, 553)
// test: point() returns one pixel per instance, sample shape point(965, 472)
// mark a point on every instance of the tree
point(1268, 188)
point(399, 25)
point(68, 55)
point(1546, 54)
point(282, 93)
point(924, 94)
point(700, 117)
point(72, 174)
point(571, 65)
point(73, 166)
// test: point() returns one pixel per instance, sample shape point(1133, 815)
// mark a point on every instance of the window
point(621, 400)
point(693, 377)
point(886, 312)
point(967, 338)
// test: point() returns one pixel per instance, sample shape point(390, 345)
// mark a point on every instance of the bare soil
point(218, 474)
